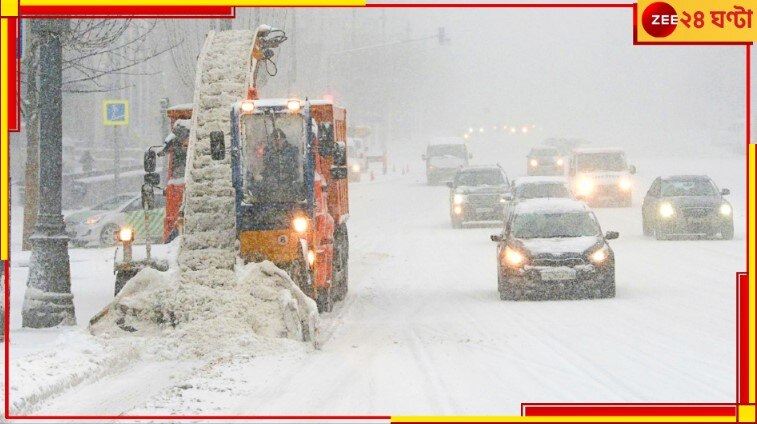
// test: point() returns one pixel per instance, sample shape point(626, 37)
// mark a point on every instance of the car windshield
point(479, 178)
point(541, 190)
point(688, 188)
point(457, 150)
point(113, 202)
point(539, 225)
point(589, 162)
point(273, 158)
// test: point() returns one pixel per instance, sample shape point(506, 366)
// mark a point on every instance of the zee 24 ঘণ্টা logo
point(660, 19)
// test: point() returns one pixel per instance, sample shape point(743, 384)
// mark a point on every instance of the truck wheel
point(323, 300)
point(727, 231)
point(108, 235)
point(123, 277)
point(341, 263)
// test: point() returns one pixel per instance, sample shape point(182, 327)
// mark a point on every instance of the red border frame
point(527, 409)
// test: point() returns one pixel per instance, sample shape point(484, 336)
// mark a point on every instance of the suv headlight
point(599, 256)
point(666, 210)
point(534, 162)
point(585, 186)
point(725, 209)
point(513, 258)
point(459, 199)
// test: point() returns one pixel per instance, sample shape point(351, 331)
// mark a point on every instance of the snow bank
point(261, 309)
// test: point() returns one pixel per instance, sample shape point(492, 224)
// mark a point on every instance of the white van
point(601, 176)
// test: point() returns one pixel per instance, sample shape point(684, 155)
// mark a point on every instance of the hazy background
point(569, 72)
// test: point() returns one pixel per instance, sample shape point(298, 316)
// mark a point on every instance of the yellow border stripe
point(580, 419)
point(751, 268)
point(239, 3)
point(4, 147)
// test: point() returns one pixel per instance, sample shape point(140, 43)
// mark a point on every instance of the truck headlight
point(600, 255)
point(534, 163)
point(355, 168)
point(559, 162)
point(294, 105)
point(126, 234)
point(625, 184)
point(666, 210)
point(300, 224)
point(458, 199)
point(248, 106)
point(725, 209)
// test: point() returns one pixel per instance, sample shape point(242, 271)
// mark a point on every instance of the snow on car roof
point(685, 177)
point(479, 167)
point(446, 141)
point(552, 205)
point(539, 180)
point(599, 150)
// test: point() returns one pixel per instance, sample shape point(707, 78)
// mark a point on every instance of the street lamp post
point(48, 300)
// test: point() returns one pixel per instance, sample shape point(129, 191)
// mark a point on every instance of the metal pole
point(116, 159)
point(48, 300)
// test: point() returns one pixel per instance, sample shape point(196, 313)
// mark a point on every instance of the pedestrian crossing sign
point(115, 112)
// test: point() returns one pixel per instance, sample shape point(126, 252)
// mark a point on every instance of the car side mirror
point(148, 196)
point(632, 169)
point(152, 178)
point(217, 146)
point(150, 160)
point(496, 237)
point(611, 235)
point(725, 192)
point(450, 184)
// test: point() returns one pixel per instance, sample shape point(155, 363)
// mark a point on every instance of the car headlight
point(513, 258)
point(666, 210)
point(355, 168)
point(92, 220)
point(585, 186)
point(600, 255)
point(458, 199)
point(534, 162)
point(458, 210)
point(559, 162)
point(725, 209)
point(300, 224)
point(625, 184)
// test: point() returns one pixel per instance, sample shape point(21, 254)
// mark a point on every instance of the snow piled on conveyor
point(263, 310)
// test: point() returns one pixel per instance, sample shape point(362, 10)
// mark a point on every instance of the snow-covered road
point(423, 330)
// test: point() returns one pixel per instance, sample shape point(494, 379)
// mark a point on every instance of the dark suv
point(686, 205)
point(554, 249)
point(478, 193)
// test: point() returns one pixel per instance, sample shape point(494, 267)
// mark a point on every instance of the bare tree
point(93, 50)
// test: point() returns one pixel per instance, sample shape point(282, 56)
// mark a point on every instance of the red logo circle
point(659, 19)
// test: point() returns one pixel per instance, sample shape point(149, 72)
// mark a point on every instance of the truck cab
point(444, 159)
point(288, 162)
point(601, 176)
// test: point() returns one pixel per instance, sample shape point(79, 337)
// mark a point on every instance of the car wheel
point(645, 227)
point(659, 233)
point(727, 231)
point(108, 235)
point(609, 290)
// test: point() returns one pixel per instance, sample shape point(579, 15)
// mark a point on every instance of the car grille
point(555, 262)
point(483, 199)
point(696, 212)
point(607, 190)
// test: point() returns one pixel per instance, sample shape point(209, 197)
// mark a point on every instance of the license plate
point(484, 210)
point(558, 274)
